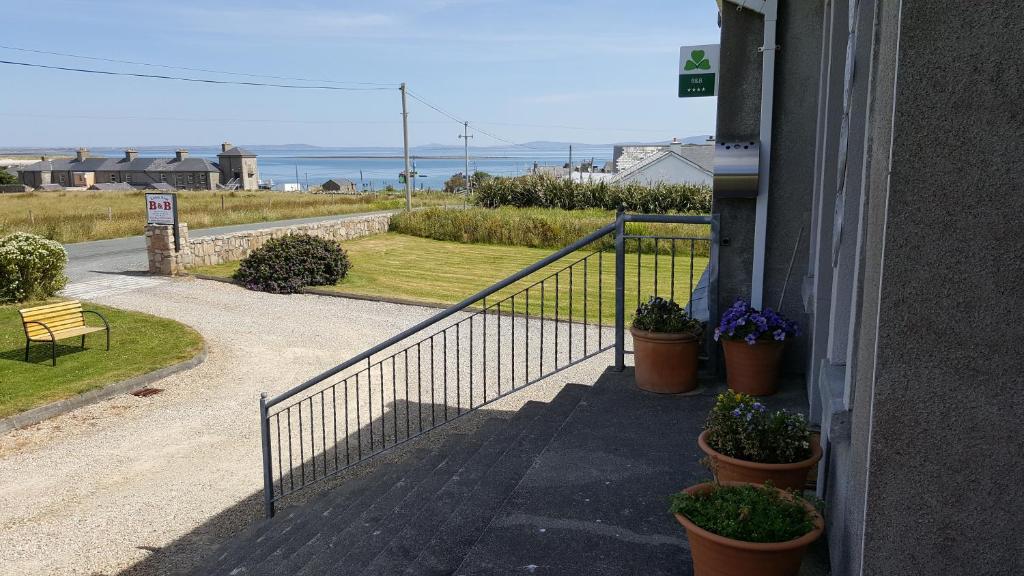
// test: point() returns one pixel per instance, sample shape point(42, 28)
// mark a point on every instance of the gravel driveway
point(149, 485)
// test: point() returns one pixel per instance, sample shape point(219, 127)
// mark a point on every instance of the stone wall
point(210, 250)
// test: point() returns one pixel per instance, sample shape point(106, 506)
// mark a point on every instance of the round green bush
point(286, 265)
point(31, 267)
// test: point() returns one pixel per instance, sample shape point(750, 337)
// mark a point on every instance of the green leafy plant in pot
point(739, 529)
point(745, 442)
point(666, 342)
point(753, 341)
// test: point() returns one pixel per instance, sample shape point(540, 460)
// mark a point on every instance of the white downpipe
point(768, 9)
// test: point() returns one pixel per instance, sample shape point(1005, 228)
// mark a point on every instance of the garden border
point(47, 411)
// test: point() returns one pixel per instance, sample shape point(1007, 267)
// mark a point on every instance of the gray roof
point(101, 164)
point(50, 187)
point(702, 155)
point(112, 186)
point(160, 186)
point(340, 182)
point(236, 151)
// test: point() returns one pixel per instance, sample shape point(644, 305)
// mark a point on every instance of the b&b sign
point(161, 208)
point(698, 70)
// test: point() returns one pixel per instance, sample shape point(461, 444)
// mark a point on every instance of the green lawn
point(419, 269)
point(139, 343)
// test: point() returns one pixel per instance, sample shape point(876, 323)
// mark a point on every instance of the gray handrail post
point(620, 289)
point(712, 294)
point(268, 474)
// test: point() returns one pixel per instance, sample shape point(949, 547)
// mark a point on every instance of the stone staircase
point(421, 515)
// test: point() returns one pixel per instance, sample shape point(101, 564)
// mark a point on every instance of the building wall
point(912, 266)
point(246, 169)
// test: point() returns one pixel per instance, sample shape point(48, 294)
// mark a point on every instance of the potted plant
point(753, 341)
point(745, 442)
point(739, 529)
point(665, 346)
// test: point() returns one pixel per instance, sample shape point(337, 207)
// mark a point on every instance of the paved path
point(94, 261)
point(164, 478)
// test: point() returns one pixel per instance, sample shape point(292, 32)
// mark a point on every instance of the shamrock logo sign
point(697, 61)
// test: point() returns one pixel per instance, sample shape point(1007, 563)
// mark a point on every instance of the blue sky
point(525, 70)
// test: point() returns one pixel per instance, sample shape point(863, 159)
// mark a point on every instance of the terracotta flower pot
point(666, 363)
point(785, 476)
point(715, 555)
point(753, 368)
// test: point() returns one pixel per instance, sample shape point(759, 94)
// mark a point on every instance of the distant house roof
point(50, 187)
point(702, 155)
point(101, 164)
point(236, 151)
point(164, 186)
point(667, 153)
point(338, 184)
point(111, 186)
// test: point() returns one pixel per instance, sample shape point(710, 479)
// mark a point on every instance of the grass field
point(423, 270)
point(78, 216)
point(139, 343)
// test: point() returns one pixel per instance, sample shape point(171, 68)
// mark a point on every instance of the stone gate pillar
point(162, 257)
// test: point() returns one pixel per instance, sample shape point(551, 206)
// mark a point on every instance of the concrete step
point(446, 551)
point(408, 540)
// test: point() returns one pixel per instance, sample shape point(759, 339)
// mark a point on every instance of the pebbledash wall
point(210, 250)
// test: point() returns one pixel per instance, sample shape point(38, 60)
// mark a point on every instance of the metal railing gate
point(554, 314)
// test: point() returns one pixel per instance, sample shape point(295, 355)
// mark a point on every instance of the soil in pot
point(753, 368)
point(785, 476)
point(716, 555)
point(666, 363)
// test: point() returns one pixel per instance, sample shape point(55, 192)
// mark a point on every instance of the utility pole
point(405, 138)
point(469, 180)
point(570, 163)
point(307, 181)
point(297, 181)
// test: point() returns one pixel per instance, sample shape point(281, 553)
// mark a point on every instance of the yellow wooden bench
point(52, 322)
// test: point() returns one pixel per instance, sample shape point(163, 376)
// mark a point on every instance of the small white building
point(673, 164)
point(288, 187)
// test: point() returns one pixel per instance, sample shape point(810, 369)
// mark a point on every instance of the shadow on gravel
point(196, 549)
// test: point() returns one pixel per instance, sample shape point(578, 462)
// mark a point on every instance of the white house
point(673, 164)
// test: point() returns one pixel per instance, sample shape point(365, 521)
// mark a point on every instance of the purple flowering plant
point(740, 426)
point(742, 322)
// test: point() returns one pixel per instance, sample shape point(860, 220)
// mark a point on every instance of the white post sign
point(160, 208)
point(163, 209)
point(698, 70)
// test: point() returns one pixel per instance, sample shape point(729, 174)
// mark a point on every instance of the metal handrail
point(366, 364)
point(454, 309)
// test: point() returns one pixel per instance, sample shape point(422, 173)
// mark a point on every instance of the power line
point(187, 79)
point(465, 122)
point(190, 69)
point(200, 119)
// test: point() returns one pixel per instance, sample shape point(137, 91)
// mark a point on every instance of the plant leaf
point(697, 55)
point(689, 65)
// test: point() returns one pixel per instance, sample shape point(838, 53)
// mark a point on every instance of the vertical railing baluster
point(419, 384)
point(394, 398)
point(600, 299)
point(383, 434)
point(407, 403)
point(280, 469)
point(639, 268)
point(334, 416)
point(369, 398)
point(526, 355)
point(674, 269)
point(512, 364)
point(433, 399)
point(570, 310)
point(359, 422)
point(458, 368)
point(483, 363)
point(558, 290)
point(655, 265)
point(472, 366)
point(348, 450)
point(323, 429)
point(291, 461)
point(312, 438)
point(585, 296)
point(692, 248)
point(499, 348)
point(540, 355)
point(444, 371)
point(302, 450)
